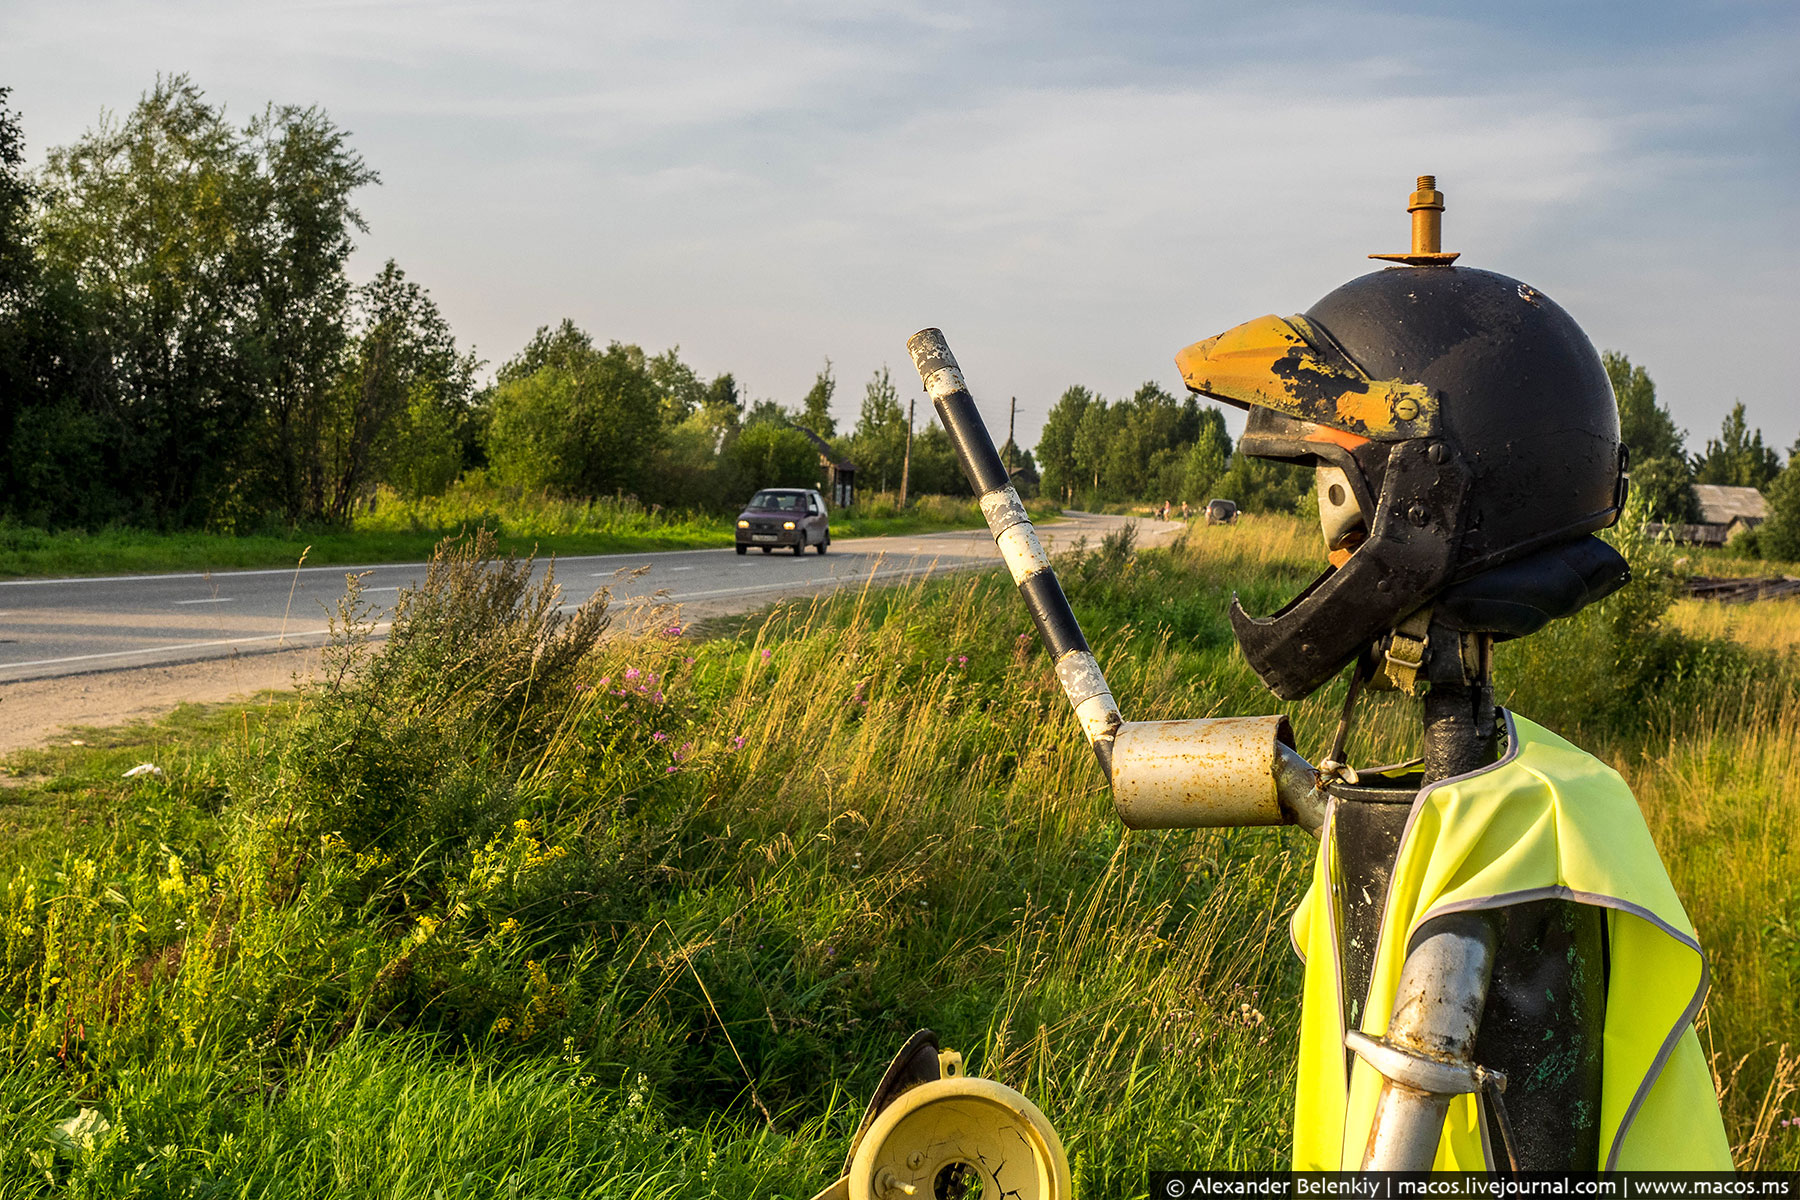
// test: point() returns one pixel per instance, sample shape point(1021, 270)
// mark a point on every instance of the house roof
point(1719, 504)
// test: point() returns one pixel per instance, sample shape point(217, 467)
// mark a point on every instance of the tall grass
point(1761, 624)
point(511, 512)
point(474, 502)
point(487, 914)
point(398, 529)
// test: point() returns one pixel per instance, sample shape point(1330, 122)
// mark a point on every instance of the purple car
point(791, 517)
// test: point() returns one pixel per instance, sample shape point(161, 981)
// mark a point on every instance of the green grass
point(465, 924)
point(398, 530)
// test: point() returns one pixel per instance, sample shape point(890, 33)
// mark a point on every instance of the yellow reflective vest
point(1546, 821)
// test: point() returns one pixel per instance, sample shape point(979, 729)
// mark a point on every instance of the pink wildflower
point(659, 736)
point(767, 655)
point(631, 672)
point(737, 743)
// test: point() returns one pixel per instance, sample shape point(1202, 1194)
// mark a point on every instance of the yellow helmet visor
point(1291, 367)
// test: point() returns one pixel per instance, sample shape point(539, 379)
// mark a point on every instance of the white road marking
point(209, 600)
point(799, 583)
point(271, 637)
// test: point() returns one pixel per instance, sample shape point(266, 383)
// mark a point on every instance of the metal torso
point(1544, 1012)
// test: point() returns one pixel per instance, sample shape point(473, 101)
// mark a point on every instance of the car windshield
point(778, 501)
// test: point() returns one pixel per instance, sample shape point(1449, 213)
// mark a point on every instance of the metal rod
point(1444, 982)
point(1076, 668)
point(1437, 1011)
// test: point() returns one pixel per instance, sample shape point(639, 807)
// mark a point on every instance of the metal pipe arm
point(1164, 774)
point(1076, 668)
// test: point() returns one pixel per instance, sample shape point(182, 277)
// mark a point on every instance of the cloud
point(1072, 190)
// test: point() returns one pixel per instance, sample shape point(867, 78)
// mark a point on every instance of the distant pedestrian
point(1184, 510)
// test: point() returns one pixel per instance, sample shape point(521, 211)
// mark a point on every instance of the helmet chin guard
point(1408, 558)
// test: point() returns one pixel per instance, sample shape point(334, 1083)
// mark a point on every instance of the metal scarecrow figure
point(1499, 975)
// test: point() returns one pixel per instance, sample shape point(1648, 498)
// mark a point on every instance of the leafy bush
point(413, 748)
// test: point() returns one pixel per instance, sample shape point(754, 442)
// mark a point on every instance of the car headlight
point(787, 524)
point(743, 524)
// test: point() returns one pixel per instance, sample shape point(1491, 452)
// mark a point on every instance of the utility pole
point(906, 463)
point(1012, 415)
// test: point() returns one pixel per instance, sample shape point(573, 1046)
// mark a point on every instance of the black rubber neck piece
point(1461, 729)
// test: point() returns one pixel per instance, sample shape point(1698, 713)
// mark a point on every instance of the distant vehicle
point(1221, 512)
point(792, 517)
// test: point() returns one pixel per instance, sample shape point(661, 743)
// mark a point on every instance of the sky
point(1071, 191)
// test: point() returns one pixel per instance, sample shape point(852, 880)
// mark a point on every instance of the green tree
point(815, 408)
point(142, 219)
point(303, 175)
point(429, 452)
point(767, 412)
point(575, 419)
point(935, 469)
point(207, 265)
point(1092, 437)
point(878, 446)
point(1657, 449)
point(404, 389)
point(722, 405)
point(531, 438)
point(682, 392)
point(1737, 457)
point(1140, 445)
point(1059, 474)
point(1259, 485)
point(1779, 536)
point(33, 466)
point(1205, 458)
point(767, 454)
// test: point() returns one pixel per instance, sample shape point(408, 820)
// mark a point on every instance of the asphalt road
point(55, 627)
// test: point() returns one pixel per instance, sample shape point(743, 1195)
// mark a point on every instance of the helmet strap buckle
point(1419, 652)
point(1409, 645)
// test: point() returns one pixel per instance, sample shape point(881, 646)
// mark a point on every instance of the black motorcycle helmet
point(1469, 446)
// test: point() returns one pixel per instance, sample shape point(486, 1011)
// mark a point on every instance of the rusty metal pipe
point(1076, 668)
point(1425, 1056)
point(1219, 771)
point(1297, 786)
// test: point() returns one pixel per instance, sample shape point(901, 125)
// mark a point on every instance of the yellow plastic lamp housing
point(945, 1134)
point(1291, 367)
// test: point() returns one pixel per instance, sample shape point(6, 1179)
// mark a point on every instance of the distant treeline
point(1153, 447)
point(181, 346)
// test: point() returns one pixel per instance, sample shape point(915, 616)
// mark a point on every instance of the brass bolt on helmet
point(1466, 442)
